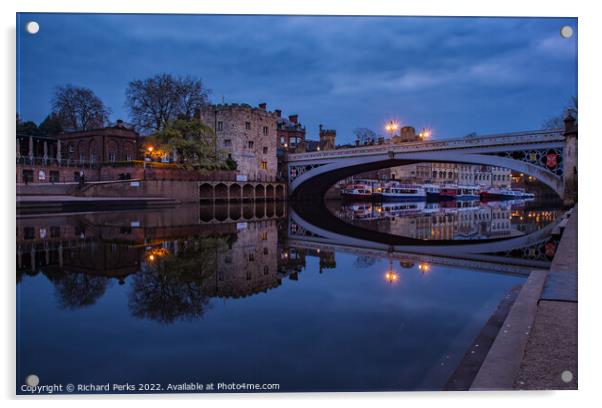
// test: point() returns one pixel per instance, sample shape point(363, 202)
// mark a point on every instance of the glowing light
point(391, 126)
point(150, 149)
point(151, 257)
point(391, 277)
point(424, 267)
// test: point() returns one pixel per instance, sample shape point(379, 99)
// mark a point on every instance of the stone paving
point(550, 358)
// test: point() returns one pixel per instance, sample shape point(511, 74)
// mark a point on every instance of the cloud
point(324, 68)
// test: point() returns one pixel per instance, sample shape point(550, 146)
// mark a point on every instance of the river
point(373, 298)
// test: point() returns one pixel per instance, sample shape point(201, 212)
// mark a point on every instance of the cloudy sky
point(454, 75)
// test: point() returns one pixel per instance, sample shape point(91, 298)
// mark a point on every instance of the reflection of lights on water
point(391, 277)
point(156, 253)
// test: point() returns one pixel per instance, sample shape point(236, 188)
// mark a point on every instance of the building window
point(282, 142)
point(112, 157)
point(71, 148)
point(82, 157)
point(250, 143)
point(228, 142)
point(264, 236)
point(264, 165)
point(265, 130)
point(220, 126)
point(248, 125)
point(128, 157)
point(265, 150)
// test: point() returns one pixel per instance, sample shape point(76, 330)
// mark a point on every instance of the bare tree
point(557, 122)
point(156, 101)
point(78, 108)
point(365, 136)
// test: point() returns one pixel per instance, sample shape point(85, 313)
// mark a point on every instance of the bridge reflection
point(483, 236)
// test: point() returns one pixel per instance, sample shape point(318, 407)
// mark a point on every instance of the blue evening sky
point(454, 75)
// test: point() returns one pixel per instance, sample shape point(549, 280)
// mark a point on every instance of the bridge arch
point(319, 178)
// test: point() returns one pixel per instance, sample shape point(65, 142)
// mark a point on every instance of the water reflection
point(451, 220)
point(239, 286)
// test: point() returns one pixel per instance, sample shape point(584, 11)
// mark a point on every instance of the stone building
point(290, 133)
point(417, 173)
point(501, 177)
point(106, 145)
point(248, 135)
point(327, 138)
point(444, 173)
point(60, 158)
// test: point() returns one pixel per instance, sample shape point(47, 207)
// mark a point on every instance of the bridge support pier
point(570, 160)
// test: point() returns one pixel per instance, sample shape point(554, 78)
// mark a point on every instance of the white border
point(590, 68)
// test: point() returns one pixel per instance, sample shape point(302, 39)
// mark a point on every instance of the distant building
point(290, 133)
point(418, 173)
point(444, 173)
point(63, 157)
point(501, 177)
point(246, 134)
point(110, 144)
point(327, 138)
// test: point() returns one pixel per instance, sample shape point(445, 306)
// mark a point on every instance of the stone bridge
point(548, 155)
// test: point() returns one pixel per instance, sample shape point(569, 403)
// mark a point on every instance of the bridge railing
point(537, 136)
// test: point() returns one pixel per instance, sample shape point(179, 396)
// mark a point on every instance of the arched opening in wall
point(247, 192)
point(280, 208)
point(235, 192)
point(259, 192)
point(206, 212)
point(221, 192)
point(260, 209)
point(279, 192)
point(235, 209)
point(269, 209)
point(205, 192)
point(221, 212)
point(247, 210)
point(269, 192)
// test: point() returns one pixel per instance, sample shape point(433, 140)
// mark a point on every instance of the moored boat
point(467, 192)
point(357, 191)
point(448, 192)
point(400, 192)
point(433, 191)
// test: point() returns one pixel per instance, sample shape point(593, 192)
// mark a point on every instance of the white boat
point(400, 192)
point(432, 191)
point(358, 191)
point(467, 192)
point(396, 209)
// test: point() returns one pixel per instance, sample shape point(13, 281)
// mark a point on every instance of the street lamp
point(425, 134)
point(391, 127)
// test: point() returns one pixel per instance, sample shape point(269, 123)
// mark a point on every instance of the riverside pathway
point(536, 348)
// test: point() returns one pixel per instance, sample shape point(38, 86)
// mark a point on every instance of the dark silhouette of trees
point(557, 122)
point(365, 136)
point(155, 102)
point(51, 125)
point(77, 290)
point(78, 108)
point(174, 287)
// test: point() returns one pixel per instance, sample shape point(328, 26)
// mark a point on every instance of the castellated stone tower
point(327, 138)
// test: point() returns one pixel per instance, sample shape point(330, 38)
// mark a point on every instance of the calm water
point(246, 294)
